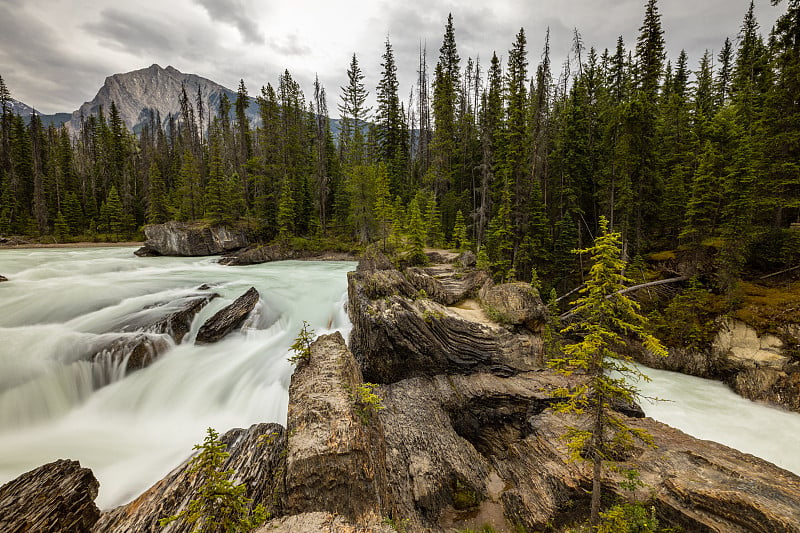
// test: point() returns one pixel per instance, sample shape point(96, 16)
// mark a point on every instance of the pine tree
point(354, 116)
point(114, 213)
point(391, 128)
point(604, 320)
point(220, 506)
point(460, 237)
point(416, 234)
point(446, 83)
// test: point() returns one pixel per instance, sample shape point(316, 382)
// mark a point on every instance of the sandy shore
point(70, 245)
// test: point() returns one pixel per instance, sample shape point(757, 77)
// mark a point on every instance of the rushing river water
point(136, 429)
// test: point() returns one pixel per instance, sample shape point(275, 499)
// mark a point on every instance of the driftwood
point(779, 273)
point(569, 314)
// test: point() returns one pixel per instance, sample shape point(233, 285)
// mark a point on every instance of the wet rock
point(257, 455)
point(191, 239)
point(267, 253)
point(769, 385)
point(228, 318)
point(58, 496)
point(178, 318)
point(335, 459)
point(136, 350)
point(514, 303)
point(3, 278)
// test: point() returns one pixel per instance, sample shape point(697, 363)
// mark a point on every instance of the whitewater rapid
point(135, 430)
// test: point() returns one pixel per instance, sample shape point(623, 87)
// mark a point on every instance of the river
point(135, 430)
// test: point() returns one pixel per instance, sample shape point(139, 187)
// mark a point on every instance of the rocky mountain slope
point(139, 92)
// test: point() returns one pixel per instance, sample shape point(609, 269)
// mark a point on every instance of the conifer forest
point(515, 159)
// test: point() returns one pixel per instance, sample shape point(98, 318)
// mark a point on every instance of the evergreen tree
point(391, 128)
point(354, 115)
point(604, 321)
point(446, 83)
point(156, 201)
point(220, 506)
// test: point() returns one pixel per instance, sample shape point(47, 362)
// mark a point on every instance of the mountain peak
point(140, 93)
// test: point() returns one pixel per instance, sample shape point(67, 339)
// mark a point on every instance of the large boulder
point(257, 455)
point(58, 496)
point(336, 459)
point(228, 318)
point(514, 303)
point(191, 239)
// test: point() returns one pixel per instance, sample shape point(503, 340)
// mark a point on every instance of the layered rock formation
point(58, 496)
point(265, 253)
point(185, 239)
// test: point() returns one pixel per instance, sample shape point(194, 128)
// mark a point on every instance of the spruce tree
point(604, 321)
point(354, 116)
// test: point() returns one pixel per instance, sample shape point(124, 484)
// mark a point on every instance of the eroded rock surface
point(228, 319)
point(336, 458)
point(514, 303)
point(188, 239)
point(398, 333)
point(58, 496)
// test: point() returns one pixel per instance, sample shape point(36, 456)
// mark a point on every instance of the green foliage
point(690, 319)
point(301, 347)
point(465, 497)
point(629, 518)
point(220, 506)
point(367, 402)
point(401, 525)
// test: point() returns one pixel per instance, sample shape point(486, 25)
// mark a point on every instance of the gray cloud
point(133, 33)
point(290, 45)
point(235, 13)
point(38, 69)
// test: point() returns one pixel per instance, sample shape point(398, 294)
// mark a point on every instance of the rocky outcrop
point(276, 252)
point(58, 496)
point(514, 303)
point(321, 522)
point(177, 320)
point(395, 337)
point(445, 283)
point(257, 455)
point(336, 459)
point(228, 318)
point(185, 239)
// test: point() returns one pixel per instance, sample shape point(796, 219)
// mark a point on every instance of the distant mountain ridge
point(153, 89)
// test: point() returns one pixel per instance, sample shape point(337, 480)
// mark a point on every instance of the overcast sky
point(55, 54)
